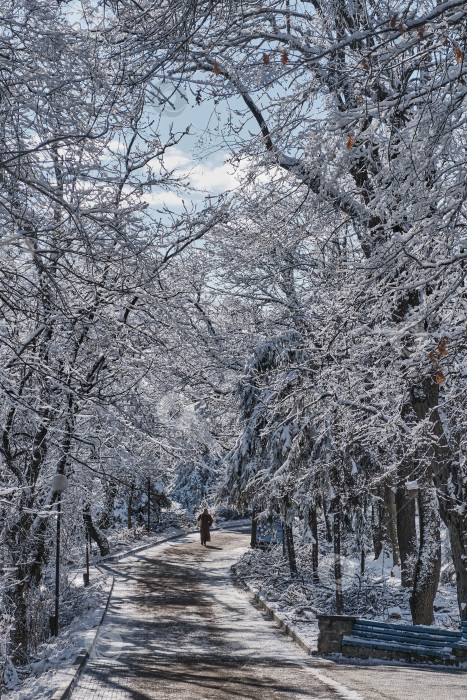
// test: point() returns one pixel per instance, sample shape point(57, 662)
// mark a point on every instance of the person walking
point(205, 524)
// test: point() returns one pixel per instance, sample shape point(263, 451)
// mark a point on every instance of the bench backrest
point(418, 629)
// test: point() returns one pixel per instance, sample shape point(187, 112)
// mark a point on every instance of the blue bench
point(405, 642)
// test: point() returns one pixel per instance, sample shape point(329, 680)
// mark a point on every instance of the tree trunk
point(327, 522)
point(337, 557)
point(428, 565)
point(313, 523)
point(19, 633)
point(405, 506)
point(109, 502)
point(449, 482)
point(254, 529)
point(456, 522)
point(452, 490)
point(284, 540)
point(130, 508)
point(289, 547)
point(149, 506)
point(377, 529)
point(94, 532)
point(391, 523)
point(406, 534)
point(28, 541)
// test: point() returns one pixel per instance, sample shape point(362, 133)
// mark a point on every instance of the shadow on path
point(182, 630)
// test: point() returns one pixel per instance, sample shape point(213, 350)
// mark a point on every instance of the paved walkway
point(178, 628)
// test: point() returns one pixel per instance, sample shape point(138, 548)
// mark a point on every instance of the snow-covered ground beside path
point(376, 595)
point(47, 671)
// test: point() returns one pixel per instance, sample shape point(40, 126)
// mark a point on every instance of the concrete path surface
point(178, 628)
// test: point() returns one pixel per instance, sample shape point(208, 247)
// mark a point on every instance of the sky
point(201, 154)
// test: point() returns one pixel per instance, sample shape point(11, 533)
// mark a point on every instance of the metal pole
point(149, 505)
point(57, 564)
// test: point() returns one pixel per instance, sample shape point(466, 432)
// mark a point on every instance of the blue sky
point(201, 154)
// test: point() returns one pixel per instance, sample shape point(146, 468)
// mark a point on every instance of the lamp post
point(59, 485)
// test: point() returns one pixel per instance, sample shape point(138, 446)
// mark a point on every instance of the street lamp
point(59, 485)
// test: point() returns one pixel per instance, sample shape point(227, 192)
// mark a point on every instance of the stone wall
point(331, 630)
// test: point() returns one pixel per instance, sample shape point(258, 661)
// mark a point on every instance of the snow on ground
point(46, 672)
point(376, 595)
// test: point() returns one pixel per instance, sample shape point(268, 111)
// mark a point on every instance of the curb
point(74, 672)
point(129, 552)
point(286, 628)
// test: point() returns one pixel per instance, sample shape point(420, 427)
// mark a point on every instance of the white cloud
point(213, 178)
point(166, 198)
point(116, 146)
point(174, 158)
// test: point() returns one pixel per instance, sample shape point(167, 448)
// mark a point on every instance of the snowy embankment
point(376, 594)
point(47, 670)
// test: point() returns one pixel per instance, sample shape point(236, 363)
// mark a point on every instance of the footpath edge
point(286, 627)
point(74, 671)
